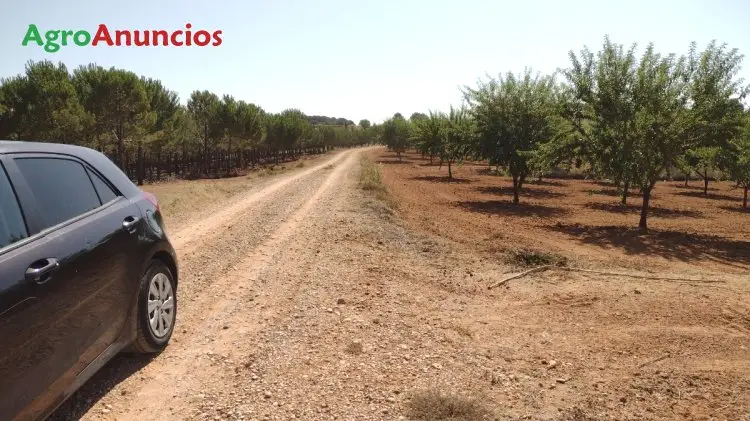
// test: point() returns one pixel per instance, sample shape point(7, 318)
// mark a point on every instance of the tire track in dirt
point(188, 238)
point(184, 366)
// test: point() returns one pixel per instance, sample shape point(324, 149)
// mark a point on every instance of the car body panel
point(57, 334)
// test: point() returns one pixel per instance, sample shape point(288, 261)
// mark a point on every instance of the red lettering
point(102, 34)
point(119, 36)
point(202, 34)
point(141, 42)
point(217, 38)
point(164, 36)
point(188, 35)
point(173, 38)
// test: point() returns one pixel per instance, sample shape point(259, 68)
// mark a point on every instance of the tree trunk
point(158, 165)
point(139, 164)
point(705, 183)
point(398, 154)
point(643, 225)
point(624, 198)
point(687, 177)
point(121, 148)
point(744, 199)
point(229, 156)
point(516, 187)
point(450, 173)
point(205, 149)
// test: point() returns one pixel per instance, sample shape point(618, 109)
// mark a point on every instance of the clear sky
point(360, 58)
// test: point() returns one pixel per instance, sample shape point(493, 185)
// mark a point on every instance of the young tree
point(602, 110)
point(427, 135)
point(513, 116)
point(658, 138)
point(737, 159)
point(714, 112)
point(396, 133)
point(703, 160)
point(417, 116)
point(458, 134)
point(364, 123)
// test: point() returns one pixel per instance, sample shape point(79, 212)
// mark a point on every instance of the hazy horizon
point(366, 60)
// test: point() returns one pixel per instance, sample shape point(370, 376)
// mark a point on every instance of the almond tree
point(512, 115)
point(737, 159)
point(396, 134)
point(602, 110)
point(658, 135)
point(714, 111)
point(427, 134)
point(458, 134)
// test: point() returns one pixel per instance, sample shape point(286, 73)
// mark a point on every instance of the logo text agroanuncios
point(53, 40)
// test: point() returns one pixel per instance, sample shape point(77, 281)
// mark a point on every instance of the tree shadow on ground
point(441, 179)
point(692, 187)
point(546, 182)
point(614, 193)
point(667, 244)
point(489, 171)
point(431, 164)
point(738, 208)
point(636, 209)
point(712, 196)
point(525, 192)
point(603, 183)
point(113, 373)
point(506, 207)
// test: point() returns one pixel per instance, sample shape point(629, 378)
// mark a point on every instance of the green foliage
point(417, 116)
point(736, 158)
point(427, 134)
point(42, 105)
point(458, 135)
point(365, 124)
point(513, 116)
point(396, 134)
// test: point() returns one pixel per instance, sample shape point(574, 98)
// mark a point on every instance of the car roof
point(14, 146)
point(94, 158)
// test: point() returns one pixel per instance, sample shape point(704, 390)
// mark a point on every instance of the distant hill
point(332, 121)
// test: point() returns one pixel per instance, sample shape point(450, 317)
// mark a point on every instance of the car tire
point(157, 309)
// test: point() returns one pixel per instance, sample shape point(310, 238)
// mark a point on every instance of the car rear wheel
point(157, 309)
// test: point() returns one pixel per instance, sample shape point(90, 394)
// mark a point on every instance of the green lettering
point(51, 46)
point(32, 34)
point(82, 38)
point(65, 35)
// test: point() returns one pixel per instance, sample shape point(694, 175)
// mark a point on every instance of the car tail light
point(151, 198)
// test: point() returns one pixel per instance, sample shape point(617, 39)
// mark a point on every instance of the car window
point(105, 192)
point(12, 226)
point(61, 187)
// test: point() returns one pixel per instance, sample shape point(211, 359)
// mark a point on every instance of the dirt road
point(307, 298)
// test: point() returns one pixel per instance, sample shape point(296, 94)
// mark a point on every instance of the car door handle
point(128, 224)
point(40, 271)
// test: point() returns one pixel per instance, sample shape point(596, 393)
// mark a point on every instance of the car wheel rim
point(160, 305)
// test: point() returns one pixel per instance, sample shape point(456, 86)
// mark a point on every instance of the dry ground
point(581, 219)
point(307, 296)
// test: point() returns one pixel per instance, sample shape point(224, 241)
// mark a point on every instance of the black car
point(86, 271)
